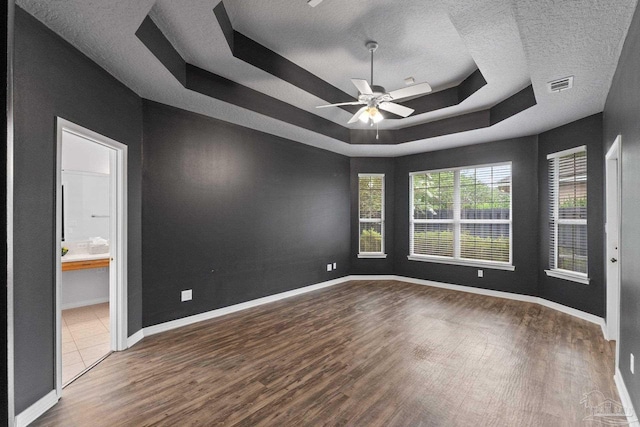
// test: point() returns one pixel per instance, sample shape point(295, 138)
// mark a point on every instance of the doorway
point(91, 234)
point(612, 228)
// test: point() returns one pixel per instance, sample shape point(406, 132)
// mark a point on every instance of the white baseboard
point(376, 277)
point(498, 294)
point(167, 326)
point(135, 338)
point(173, 324)
point(32, 413)
point(625, 399)
point(84, 303)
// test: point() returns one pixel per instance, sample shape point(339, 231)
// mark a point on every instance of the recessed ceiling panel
point(416, 38)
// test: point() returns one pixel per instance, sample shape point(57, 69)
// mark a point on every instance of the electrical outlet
point(186, 295)
point(335, 265)
point(632, 363)
point(480, 273)
point(329, 267)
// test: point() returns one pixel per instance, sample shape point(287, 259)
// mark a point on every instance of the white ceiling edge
point(106, 33)
point(498, 132)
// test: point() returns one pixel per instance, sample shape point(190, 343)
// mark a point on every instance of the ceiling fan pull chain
point(377, 136)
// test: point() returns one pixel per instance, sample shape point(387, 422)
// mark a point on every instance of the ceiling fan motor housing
point(378, 90)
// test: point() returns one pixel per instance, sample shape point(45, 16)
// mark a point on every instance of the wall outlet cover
point(480, 273)
point(335, 265)
point(329, 267)
point(186, 295)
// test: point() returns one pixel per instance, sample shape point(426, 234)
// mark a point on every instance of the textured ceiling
point(514, 43)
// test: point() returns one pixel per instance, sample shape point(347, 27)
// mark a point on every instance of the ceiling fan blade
point(405, 92)
point(363, 86)
point(339, 104)
point(394, 108)
point(357, 115)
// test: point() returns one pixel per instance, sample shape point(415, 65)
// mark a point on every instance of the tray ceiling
point(513, 43)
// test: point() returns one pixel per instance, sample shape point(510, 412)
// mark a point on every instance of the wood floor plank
point(374, 353)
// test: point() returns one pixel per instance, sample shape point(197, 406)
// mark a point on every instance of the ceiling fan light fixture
point(371, 114)
point(377, 117)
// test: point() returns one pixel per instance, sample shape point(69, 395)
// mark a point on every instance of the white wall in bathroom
point(85, 287)
point(86, 180)
point(79, 154)
point(86, 205)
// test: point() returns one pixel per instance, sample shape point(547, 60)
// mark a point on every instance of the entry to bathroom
point(91, 228)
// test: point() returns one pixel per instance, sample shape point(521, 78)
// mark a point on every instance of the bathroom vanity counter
point(84, 261)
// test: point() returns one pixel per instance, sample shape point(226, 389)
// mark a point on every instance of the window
point(371, 215)
point(568, 214)
point(462, 216)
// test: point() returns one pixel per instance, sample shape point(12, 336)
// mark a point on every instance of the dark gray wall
point(373, 165)
point(4, 31)
point(235, 214)
point(621, 113)
point(591, 297)
point(522, 152)
point(54, 79)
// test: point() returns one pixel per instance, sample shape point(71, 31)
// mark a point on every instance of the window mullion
point(456, 214)
point(556, 209)
point(411, 215)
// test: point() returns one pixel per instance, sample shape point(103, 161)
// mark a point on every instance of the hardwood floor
point(378, 353)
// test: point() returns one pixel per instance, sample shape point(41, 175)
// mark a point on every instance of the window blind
point(462, 213)
point(371, 213)
point(568, 211)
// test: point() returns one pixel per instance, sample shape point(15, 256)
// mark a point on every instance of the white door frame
point(118, 240)
point(612, 239)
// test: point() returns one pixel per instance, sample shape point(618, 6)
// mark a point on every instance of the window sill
point(372, 256)
point(466, 263)
point(573, 277)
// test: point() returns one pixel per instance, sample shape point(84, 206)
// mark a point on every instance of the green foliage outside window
point(370, 195)
point(440, 243)
point(434, 192)
point(370, 240)
point(580, 202)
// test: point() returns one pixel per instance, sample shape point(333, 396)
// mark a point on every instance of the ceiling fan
point(376, 98)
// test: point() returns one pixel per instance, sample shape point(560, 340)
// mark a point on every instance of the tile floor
point(85, 338)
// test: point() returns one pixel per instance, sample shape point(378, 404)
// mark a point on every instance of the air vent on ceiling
point(560, 84)
point(313, 3)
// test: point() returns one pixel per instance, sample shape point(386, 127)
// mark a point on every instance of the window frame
point(381, 220)
point(457, 222)
point(555, 221)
